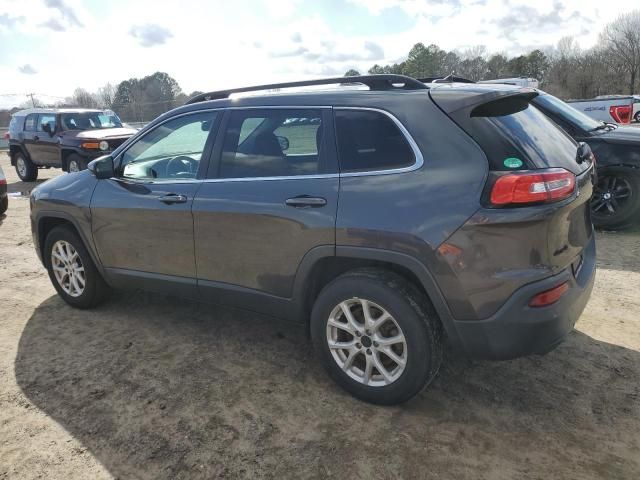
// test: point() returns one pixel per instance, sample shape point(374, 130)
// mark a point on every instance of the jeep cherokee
point(389, 220)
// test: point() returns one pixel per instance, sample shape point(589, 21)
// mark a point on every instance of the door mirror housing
point(102, 167)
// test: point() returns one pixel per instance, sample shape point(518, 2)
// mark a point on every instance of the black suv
point(62, 138)
point(387, 220)
point(616, 200)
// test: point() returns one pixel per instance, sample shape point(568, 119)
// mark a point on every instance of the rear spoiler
point(455, 100)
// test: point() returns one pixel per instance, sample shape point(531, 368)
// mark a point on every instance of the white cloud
point(219, 44)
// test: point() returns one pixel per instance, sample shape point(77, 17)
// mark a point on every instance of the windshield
point(90, 120)
point(566, 112)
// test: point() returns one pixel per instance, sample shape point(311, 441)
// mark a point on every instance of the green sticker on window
point(512, 162)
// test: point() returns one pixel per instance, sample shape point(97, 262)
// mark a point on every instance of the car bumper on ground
point(518, 330)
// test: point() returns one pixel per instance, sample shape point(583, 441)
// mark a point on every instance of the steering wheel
point(182, 166)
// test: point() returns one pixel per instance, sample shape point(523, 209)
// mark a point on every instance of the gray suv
point(389, 220)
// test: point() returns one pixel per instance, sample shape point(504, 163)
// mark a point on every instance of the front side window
point(273, 143)
point(30, 122)
point(171, 151)
point(370, 141)
point(46, 119)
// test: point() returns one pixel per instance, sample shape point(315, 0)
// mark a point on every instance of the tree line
point(565, 70)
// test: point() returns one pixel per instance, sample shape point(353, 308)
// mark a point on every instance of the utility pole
point(33, 102)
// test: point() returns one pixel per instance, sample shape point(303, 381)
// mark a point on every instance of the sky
point(51, 47)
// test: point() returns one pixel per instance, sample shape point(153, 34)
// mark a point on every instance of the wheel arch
point(321, 265)
point(13, 149)
point(47, 221)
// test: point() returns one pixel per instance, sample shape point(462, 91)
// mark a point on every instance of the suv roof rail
point(445, 79)
point(383, 82)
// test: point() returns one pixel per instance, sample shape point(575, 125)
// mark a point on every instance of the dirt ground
point(153, 387)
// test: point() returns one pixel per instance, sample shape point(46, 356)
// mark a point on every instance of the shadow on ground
point(158, 388)
point(24, 188)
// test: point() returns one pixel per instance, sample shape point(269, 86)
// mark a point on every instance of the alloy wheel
point(21, 166)
point(366, 342)
point(73, 166)
point(612, 194)
point(68, 268)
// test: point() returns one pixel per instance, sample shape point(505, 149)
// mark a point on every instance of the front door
point(141, 220)
point(270, 199)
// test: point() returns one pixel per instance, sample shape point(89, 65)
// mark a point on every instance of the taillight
point(6, 135)
point(621, 113)
point(549, 297)
point(534, 186)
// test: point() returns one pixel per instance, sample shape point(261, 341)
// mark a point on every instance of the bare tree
point(83, 99)
point(107, 95)
point(622, 39)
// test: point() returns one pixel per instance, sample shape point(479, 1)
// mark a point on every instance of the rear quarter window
point(30, 122)
point(370, 141)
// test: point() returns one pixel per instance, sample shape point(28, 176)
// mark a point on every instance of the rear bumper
point(517, 330)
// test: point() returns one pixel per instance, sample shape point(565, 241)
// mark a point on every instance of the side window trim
point(213, 172)
point(206, 153)
point(419, 159)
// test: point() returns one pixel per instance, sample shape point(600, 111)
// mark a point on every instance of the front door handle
point(173, 198)
point(305, 201)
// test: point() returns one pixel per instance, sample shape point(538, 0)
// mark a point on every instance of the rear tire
point(75, 163)
point(616, 200)
point(25, 168)
point(411, 363)
point(637, 117)
point(4, 205)
point(64, 247)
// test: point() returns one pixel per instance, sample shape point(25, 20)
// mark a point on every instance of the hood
point(101, 134)
point(623, 135)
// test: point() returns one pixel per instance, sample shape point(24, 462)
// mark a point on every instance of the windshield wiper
point(602, 126)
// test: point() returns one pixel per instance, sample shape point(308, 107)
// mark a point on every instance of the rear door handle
point(173, 198)
point(304, 201)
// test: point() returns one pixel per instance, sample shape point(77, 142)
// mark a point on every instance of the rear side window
point(30, 122)
point(370, 141)
point(273, 143)
point(46, 119)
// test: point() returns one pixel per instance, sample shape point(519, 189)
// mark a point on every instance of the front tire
point(616, 199)
point(377, 336)
point(71, 269)
point(25, 168)
point(637, 117)
point(75, 163)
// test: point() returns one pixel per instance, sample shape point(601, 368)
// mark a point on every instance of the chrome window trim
point(134, 139)
point(419, 160)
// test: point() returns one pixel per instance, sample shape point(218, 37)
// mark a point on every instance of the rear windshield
point(515, 135)
point(567, 112)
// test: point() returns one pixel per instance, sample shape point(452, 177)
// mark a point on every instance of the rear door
point(47, 145)
point(31, 137)
point(270, 199)
point(141, 219)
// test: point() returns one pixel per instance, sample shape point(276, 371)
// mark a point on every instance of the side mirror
point(102, 167)
point(284, 143)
